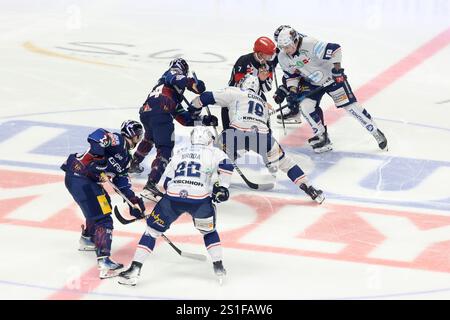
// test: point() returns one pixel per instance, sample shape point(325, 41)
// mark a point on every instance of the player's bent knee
point(205, 225)
point(308, 106)
point(105, 222)
point(153, 232)
point(286, 163)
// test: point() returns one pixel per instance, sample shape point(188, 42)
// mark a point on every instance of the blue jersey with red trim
point(167, 95)
point(108, 153)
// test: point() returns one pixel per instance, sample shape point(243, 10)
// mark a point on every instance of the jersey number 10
point(255, 108)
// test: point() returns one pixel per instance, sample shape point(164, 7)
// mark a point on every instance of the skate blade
point(319, 199)
point(127, 282)
point(105, 274)
point(134, 174)
point(323, 149)
point(86, 249)
point(109, 274)
point(221, 280)
point(290, 121)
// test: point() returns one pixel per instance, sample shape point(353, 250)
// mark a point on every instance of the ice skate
point(272, 170)
point(321, 143)
point(130, 276)
point(219, 270)
point(108, 268)
point(315, 194)
point(135, 167)
point(86, 243)
point(381, 139)
point(151, 192)
point(290, 116)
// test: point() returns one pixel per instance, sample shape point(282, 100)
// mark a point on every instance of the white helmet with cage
point(287, 36)
point(201, 135)
point(249, 82)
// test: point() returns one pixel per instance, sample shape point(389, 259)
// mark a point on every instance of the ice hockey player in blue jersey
point(196, 176)
point(107, 157)
point(317, 64)
point(162, 106)
point(248, 130)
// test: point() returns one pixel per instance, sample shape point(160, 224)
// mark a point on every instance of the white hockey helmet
point(249, 82)
point(278, 30)
point(287, 36)
point(201, 135)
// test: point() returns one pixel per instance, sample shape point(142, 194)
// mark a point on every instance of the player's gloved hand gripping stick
point(256, 186)
point(122, 220)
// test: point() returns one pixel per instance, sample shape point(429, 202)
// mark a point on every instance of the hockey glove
point(338, 75)
point(193, 111)
point(95, 168)
point(280, 94)
point(292, 100)
point(196, 86)
point(210, 121)
point(220, 193)
point(135, 212)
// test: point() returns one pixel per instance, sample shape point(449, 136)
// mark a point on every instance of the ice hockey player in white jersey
point(249, 115)
point(310, 62)
point(195, 177)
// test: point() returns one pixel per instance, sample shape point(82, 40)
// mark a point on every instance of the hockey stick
point(122, 220)
point(279, 104)
point(251, 185)
point(299, 99)
point(194, 256)
point(116, 210)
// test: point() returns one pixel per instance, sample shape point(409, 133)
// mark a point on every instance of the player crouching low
point(195, 177)
point(108, 155)
point(249, 115)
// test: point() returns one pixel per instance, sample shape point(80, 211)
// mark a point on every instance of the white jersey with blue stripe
point(313, 60)
point(247, 110)
point(193, 170)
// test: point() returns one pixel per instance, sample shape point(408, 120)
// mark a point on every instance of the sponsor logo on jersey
point(115, 141)
point(189, 182)
point(302, 63)
point(156, 218)
point(115, 165)
point(183, 194)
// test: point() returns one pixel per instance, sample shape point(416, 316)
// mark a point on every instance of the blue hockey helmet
point(180, 64)
point(131, 129)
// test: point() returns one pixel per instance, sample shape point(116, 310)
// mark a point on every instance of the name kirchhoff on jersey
point(253, 119)
point(190, 182)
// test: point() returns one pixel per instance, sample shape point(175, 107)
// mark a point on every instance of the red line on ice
point(89, 281)
point(377, 84)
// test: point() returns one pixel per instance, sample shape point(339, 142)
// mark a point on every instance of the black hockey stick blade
point(251, 185)
point(194, 256)
point(122, 220)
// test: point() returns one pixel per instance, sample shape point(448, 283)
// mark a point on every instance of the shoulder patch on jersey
point(105, 141)
point(109, 139)
point(115, 139)
point(100, 136)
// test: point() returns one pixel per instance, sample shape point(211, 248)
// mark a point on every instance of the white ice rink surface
point(68, 67)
